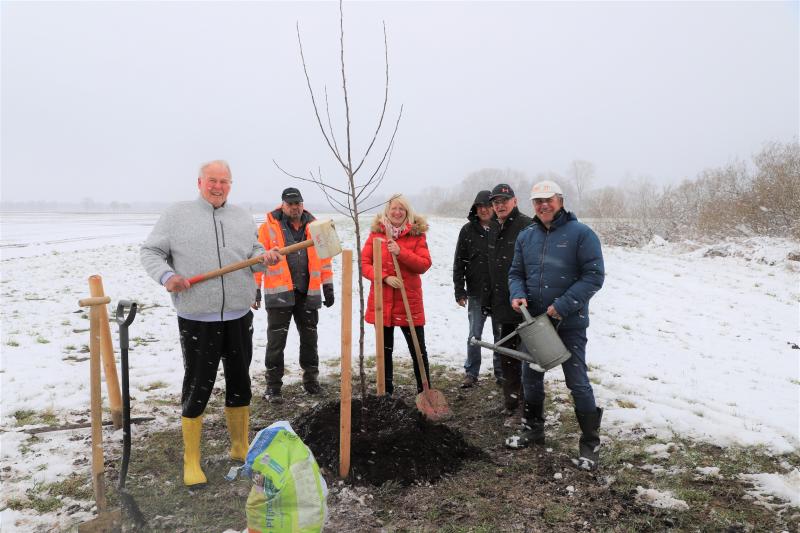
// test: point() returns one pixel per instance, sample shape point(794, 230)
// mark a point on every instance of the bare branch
point(376, 183)
point(331, 200)
point(388, 148)
point(349, 166)
point(372, 182)
point(385, 100)
point(306, 179)
point(314, 102)
point(330, 125)
point(382, 203)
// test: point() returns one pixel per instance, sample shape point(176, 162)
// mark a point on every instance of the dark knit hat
point(483, 198)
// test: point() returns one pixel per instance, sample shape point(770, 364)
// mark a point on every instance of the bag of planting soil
point(288, 492)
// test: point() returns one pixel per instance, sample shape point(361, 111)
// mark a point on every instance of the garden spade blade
point(432, 405)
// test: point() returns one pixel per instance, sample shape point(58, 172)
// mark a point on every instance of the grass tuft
point(155, 385)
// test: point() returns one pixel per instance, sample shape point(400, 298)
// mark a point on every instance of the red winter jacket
point(414, 259)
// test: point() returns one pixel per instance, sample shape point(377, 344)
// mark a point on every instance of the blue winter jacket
point(562, 266)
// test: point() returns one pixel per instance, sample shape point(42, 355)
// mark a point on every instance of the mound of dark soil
point(390, 441)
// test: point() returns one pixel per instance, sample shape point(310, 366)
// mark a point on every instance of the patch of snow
point(708, 471)
point(661, 451)
point(784, 487)
point(660, 499)
point(657, 242)
point(655, 469)
point(766, 250)
point(658, 469)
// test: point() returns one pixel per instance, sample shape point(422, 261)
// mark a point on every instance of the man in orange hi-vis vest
point(295, 287)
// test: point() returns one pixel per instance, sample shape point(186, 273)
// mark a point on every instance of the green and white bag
point(288, 493)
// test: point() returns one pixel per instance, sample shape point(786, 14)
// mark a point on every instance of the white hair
point(220, 162)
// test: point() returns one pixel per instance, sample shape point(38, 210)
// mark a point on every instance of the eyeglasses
point(539, 201)
point(500, 200)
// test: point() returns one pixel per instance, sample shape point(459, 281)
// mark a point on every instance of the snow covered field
point(682, 342)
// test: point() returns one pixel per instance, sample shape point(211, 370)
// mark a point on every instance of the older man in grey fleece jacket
point(214, 317)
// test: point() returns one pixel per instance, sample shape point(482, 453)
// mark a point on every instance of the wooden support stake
point(107, 351)
point(377, 291)
point(98, 481)
point(347, 347)
point(107, 520)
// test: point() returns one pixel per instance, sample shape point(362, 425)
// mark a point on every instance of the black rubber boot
point(589, 444)
point(533, 427)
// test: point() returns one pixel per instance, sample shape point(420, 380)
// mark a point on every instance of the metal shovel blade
point(105, 521)
point(432, 405)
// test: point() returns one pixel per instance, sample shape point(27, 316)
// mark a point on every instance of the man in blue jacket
point(557, 268)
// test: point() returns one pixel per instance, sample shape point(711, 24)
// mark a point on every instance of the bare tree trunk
point(356, 194)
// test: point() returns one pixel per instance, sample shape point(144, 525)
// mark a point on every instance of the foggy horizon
point(123, 101)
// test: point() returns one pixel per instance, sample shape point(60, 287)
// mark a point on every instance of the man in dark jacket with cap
point(509, 221)
point(296, 287)
point(557, 268)
point(470, 265)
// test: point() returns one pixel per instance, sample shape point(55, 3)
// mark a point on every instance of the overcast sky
point(122, 101)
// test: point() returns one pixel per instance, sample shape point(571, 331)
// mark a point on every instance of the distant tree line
point(761, 197)
point(89, 205)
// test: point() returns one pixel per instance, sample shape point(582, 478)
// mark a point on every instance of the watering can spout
point(544, 348)
point(516, 354)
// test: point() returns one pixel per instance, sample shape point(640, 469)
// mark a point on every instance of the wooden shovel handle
point(417, 349)
point(248, 262)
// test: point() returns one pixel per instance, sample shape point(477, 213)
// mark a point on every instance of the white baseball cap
point(545, 189)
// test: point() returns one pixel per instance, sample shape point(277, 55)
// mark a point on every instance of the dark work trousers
point(512, 368)
point(388, 347)
point(203, 345)
point(575, 374)
point(278, 320)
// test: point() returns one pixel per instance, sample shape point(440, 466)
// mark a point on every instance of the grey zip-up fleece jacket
point(192, 238)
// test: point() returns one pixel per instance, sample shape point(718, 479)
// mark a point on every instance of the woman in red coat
point(403, 232)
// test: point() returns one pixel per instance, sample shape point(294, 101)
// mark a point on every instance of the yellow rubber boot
point(238, 426)
point(192, 473)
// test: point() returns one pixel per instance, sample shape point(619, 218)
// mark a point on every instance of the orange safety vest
point(278, 288)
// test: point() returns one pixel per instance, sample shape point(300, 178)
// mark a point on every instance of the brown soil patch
point(390, 441)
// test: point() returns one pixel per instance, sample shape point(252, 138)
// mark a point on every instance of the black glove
point(327, 291)
point(486, 310)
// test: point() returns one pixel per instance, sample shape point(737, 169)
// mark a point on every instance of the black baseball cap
point(502, 190)
point(290, 194)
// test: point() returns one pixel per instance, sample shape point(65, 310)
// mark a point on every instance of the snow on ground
point(685, 340)
point(699, 346)
point(767, 487)
point(660, 499)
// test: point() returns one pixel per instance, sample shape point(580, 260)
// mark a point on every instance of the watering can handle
point(527, 316)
